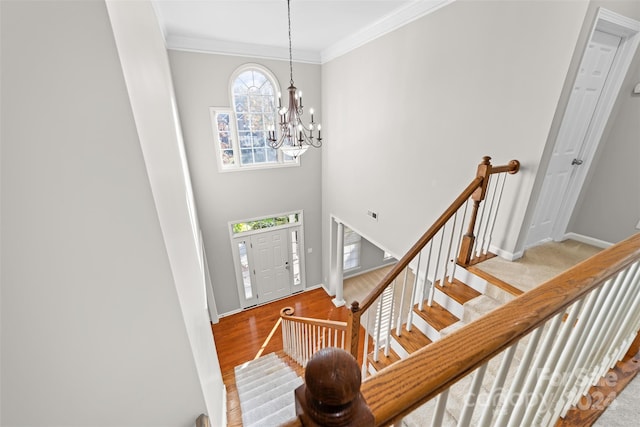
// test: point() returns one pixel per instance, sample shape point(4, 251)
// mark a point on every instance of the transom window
point(241, 130)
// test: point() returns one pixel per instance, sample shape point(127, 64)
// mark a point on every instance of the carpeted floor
point(539, 263)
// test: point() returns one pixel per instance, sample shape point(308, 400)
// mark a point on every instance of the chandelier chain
point(290, 51)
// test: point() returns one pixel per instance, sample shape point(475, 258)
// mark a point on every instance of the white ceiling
point(321, 29)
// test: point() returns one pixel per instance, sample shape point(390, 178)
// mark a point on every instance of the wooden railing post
point(331, 394)
point(353, 329)
point(468, 240)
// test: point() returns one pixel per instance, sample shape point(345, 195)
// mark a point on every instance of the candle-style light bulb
point(311, 112)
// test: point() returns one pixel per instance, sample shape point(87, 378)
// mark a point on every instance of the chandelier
point(295, 137)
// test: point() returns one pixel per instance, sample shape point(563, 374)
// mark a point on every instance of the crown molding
point(389, 23)
point(194, 44)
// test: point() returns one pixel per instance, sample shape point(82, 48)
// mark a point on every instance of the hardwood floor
point(244, 336)
point(255, 332)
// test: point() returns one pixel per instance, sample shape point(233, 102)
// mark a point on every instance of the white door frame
point(629, 30)
point(236, 238)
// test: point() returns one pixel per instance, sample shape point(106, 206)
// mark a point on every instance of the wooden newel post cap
point(331, 393)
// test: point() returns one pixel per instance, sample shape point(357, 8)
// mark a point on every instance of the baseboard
point(230, 313)
point(356, 273)
point(509, 256)
point(587, 240)
point(309, 288)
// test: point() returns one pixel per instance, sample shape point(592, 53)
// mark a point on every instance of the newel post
point(331, 394)
point(466, 246)
point(353, 329)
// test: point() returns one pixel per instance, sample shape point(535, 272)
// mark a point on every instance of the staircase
point(454, 305)
point(265, 388)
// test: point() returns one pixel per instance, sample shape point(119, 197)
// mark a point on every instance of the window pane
point(351, 256)
point(295, 247)
point(246, 157)
point(254, 104)
point(246, 273)
point(224, 139)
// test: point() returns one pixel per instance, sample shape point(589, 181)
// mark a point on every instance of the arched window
point(241, 131)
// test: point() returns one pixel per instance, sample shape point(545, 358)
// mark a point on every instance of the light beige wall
point(92, 331)
point(409, 115)
point(201, 81)
point(609, 204)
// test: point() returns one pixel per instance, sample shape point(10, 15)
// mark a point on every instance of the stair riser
point(425, 328)
point(398, 348)
point(451, 305)
point(471, 280)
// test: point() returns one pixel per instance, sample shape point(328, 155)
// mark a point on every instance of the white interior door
point(569, 151)
point(271, 265)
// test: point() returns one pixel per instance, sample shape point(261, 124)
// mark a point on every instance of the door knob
point(286, 265)
point(577, 162)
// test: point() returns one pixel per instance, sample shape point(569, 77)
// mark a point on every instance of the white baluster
point(376, 341)
point(413, 294)
point(400, 315)
point(448, 259)
point(441, 406)
point(472, 397)
point(552, 366)
point(365, 352)
point(435, 273)
point(483, 249)
point(532, 377)
point(426, 278)
point(389, 327)
point(496, 388)
point(462, 223)
point(582, 326)
point(478, 231)
point(495, 215)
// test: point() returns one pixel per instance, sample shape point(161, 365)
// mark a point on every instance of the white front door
point(569, 151)
point(271, 265)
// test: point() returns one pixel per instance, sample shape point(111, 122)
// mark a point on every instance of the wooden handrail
point(475, 190)
point(419, 245)
point(405, 385)
point(287, 313)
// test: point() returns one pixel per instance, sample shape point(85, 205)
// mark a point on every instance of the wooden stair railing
point(574, 328)
point(302, 337)
point(469, 247)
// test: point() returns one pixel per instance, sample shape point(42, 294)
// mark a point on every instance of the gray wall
point(371, 258)
point(609, 205)
point(412, 113)
point(92, 332)
point(202, 81)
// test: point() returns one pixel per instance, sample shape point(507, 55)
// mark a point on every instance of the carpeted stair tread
point(266, 391)
point(457, 291)
point(255, 415)
point(249, 368)
point(412, 340)
point(277, 418)
point(478, 307)
point(383, 361)
point(436, 315)
point(256, 396)
point(273, 374)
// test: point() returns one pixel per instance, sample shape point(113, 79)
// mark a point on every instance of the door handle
point(576, 162)
point(286, 265)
